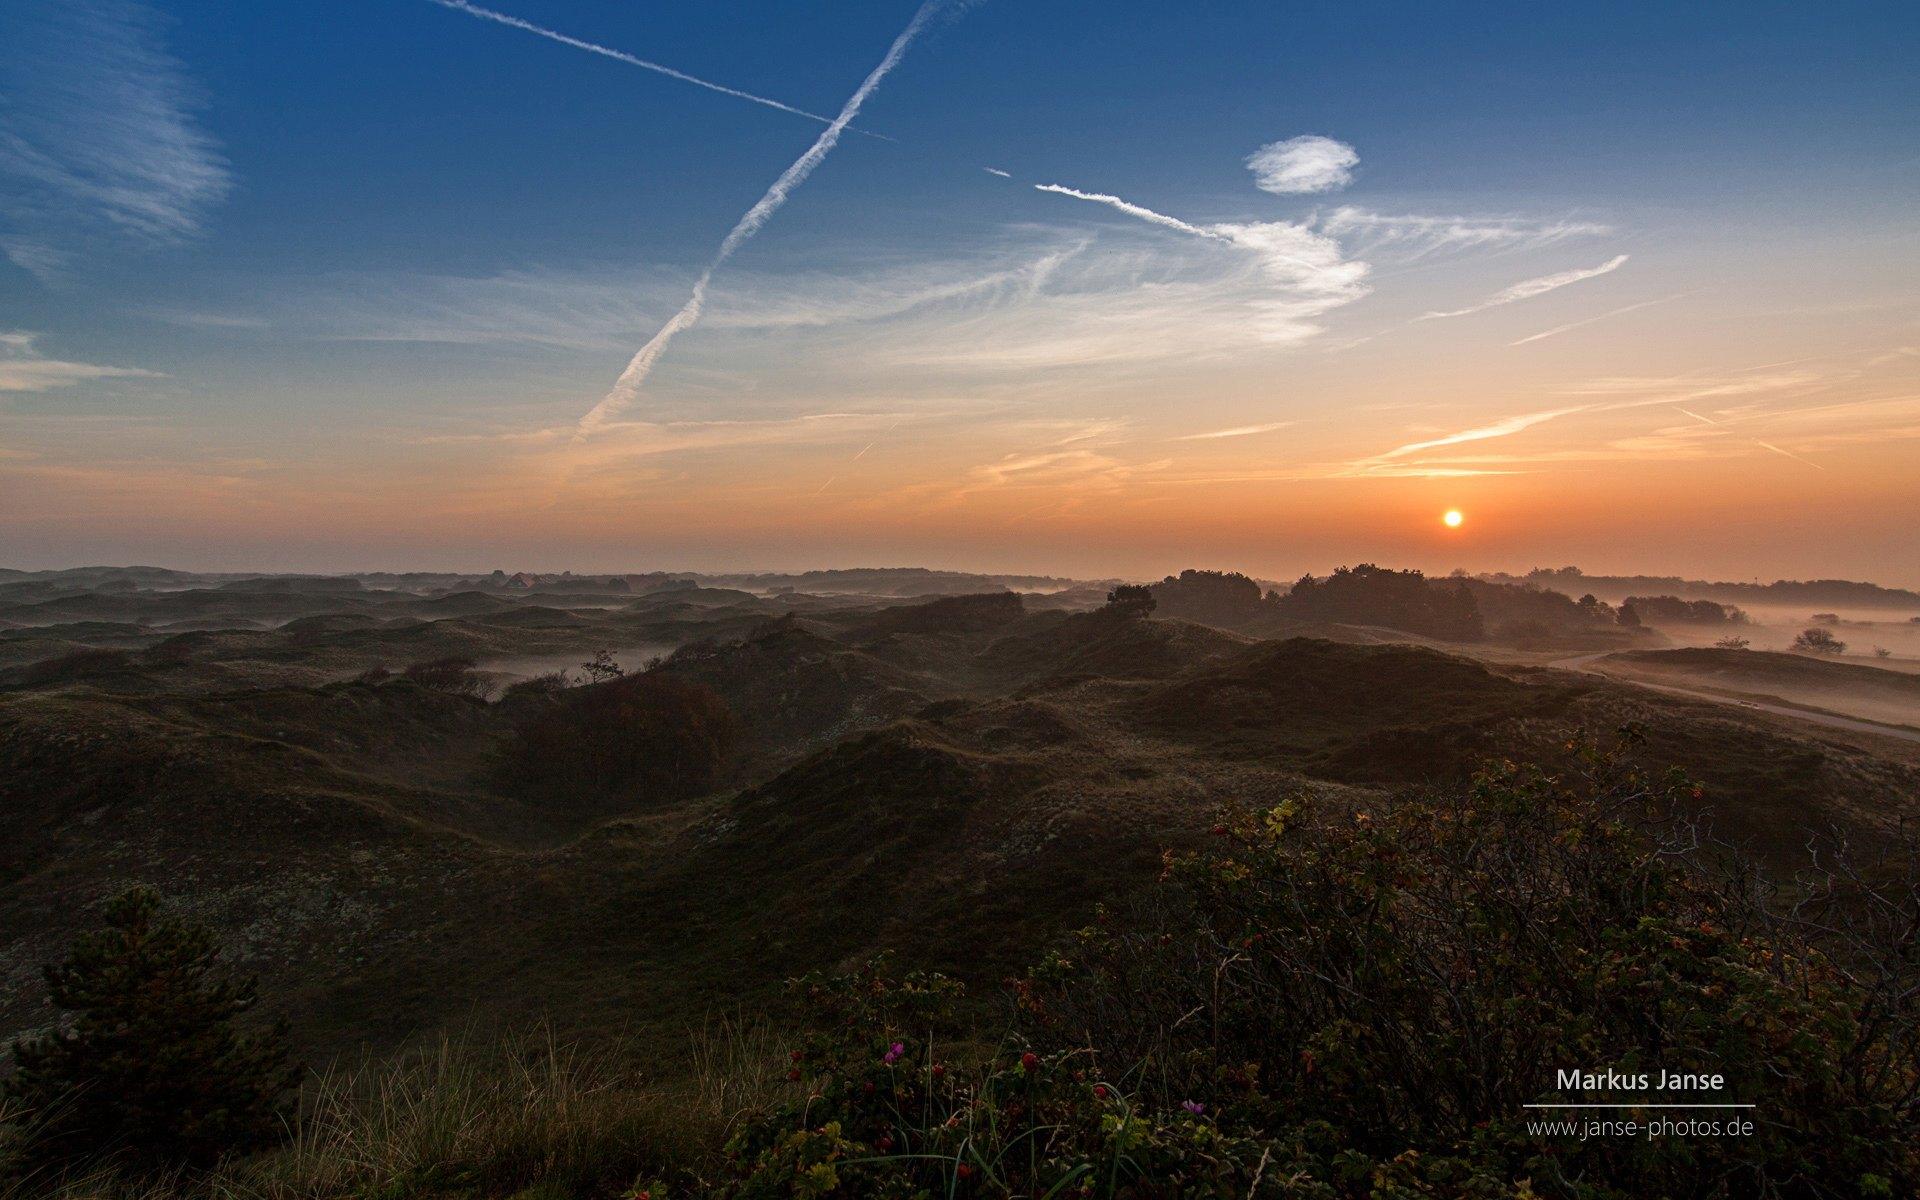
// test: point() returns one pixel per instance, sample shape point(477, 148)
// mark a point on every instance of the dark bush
point(1131, 600)
point(650, 733)
point(1342, 1004)
point(1370, 595)
point(150, 1069)
point(550, 684)
point(452, 674)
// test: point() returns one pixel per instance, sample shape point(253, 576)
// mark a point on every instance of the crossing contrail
point(627, 388)
point(512, 22)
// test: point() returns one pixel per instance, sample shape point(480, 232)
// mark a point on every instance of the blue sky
point(266, 258)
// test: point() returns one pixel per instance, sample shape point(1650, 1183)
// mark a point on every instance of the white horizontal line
point(1639, 1106)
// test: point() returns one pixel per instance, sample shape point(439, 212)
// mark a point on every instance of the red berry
point(938, 1071)
point(1099, 1091)
point(883, 1143)
point(1029, 1061)
point(964, 1171)
point(795, 1055)
point(794, 1074)
point(867, 1087)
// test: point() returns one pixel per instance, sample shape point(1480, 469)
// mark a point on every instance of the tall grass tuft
point(473, 1115)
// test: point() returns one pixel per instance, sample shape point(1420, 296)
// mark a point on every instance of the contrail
point(488, 14)
point(1527, 289)
point(1790, 454)
point(1571, 325)
point(627, 388)
point(1132, 210)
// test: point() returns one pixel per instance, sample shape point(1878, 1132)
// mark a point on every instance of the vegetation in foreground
point(1328, 1003)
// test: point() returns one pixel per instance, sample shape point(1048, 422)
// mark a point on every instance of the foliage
point(1221, 597)
point(1380, 994)
point(151, 1067)
point(1131, 600)
point(1818, 641)
point(639, 732)
point(1355, 1004)
point(1674, 610)
point(453, 674)
point(601, 668)
point(885, 1108)
point(1370, 595)
point(1733, 643)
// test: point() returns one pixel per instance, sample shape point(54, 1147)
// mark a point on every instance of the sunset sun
point(1451, 518)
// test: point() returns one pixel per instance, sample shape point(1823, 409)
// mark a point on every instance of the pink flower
point(1193, 1106)
point(893, 1054)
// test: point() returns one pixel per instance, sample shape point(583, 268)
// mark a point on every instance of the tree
point(150, 1066)
point(601, 668)
point(1882, 652)
point(1733, 643)
point(1131, 600)
point(1629, 616)
point(1818, 641)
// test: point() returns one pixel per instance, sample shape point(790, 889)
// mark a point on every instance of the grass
point(532, 1116)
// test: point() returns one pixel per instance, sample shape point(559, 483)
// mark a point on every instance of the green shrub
point(150, 1069)
point(1340, 1003)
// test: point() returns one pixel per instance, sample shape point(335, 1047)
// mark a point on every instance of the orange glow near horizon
point(1452, 518)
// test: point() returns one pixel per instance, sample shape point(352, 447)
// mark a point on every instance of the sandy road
point(1579, 662)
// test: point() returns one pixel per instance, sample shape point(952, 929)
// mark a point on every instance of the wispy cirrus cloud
point(1527, 289)
point(99, 137)
point(1570, 326)
point(1237, 431)
point(1415, 236)
point(24, 369)
point(1310, 275)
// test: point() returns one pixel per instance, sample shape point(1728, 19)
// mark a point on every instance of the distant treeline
point(1840, 592)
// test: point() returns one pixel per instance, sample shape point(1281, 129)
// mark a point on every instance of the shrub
point(652, 732)
point(1131, 600)
point(601, 668)
point(1733, 643)
point(1818, 641)
point(550, 684)
point(1382, 992)
point(1341, 1004)
point(453, 674)
point(151, 1069)
point(882, 1107)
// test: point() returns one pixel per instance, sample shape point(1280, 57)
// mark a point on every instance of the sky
point(1076, 288)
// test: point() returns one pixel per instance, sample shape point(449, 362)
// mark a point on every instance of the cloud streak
point(1527, 289)
point(1235, 432)
point(632, 60)
point(99, 142)
point(627, 388)
point(23, 369)
point(1312, 271)
point(1570, 326)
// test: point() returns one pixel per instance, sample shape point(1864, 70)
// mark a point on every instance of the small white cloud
point(998, 171)
point(1303, 165)
point(22, 369)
